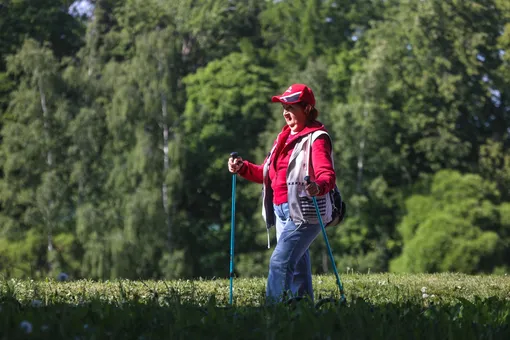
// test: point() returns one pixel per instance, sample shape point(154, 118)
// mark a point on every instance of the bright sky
point(81, 7)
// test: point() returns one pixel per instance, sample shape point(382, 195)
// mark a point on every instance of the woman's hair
point(312, 114)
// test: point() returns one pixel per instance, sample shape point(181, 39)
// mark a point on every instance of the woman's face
point(294, 116)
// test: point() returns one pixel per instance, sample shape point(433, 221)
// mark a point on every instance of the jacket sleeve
point(322, 163)
point(252, 172)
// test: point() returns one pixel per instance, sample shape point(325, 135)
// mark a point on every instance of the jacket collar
point(314, 126)
point(284, 134)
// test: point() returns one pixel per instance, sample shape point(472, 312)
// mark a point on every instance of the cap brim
point(278, 99)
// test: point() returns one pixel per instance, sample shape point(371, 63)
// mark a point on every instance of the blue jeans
point(290, 269)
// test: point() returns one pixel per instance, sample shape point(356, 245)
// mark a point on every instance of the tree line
point(116, 125)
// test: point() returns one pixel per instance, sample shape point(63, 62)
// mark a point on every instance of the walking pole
point(232, 229)
point(338, 282)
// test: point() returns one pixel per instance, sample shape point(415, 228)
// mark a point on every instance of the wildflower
point(423, 289)
point(62, 277)
point(425, 295)
point(26, 326)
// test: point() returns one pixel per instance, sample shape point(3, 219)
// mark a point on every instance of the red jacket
point(322, 164)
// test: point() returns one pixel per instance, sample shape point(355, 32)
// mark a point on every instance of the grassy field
point(380, 306)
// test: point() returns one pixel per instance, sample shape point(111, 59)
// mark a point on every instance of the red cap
point(296, 93)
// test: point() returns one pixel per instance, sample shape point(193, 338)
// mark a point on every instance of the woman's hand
point(235, 164)
point(312, 189)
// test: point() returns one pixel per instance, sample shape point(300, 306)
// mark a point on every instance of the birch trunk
point(324, 261)
point(361, 154)
point(49, 156)
point(360, 164)
point(166, 163)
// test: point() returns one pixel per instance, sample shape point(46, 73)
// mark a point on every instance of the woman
point(302, 148)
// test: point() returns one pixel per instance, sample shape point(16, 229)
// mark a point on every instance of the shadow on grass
point(167, 317)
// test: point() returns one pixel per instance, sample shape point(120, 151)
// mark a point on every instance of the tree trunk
point(166, 163)
point(324, 261)
point(361, 158)
point(49, 156)
point(360, 164)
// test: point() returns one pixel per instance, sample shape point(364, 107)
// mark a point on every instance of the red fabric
point(294, 94)
point(322, 171)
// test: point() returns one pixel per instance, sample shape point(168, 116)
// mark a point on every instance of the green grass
point(379, 306)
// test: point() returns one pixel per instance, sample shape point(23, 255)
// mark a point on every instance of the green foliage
point(20, 257)
point(494, 164)
point(43, 21)
point(455, 227)
point(115, 131)
point(35, 170)
point(421, 98)
point(299, 30)
point(226, 100)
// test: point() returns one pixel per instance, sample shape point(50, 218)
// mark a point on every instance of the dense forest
point(117, 118)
